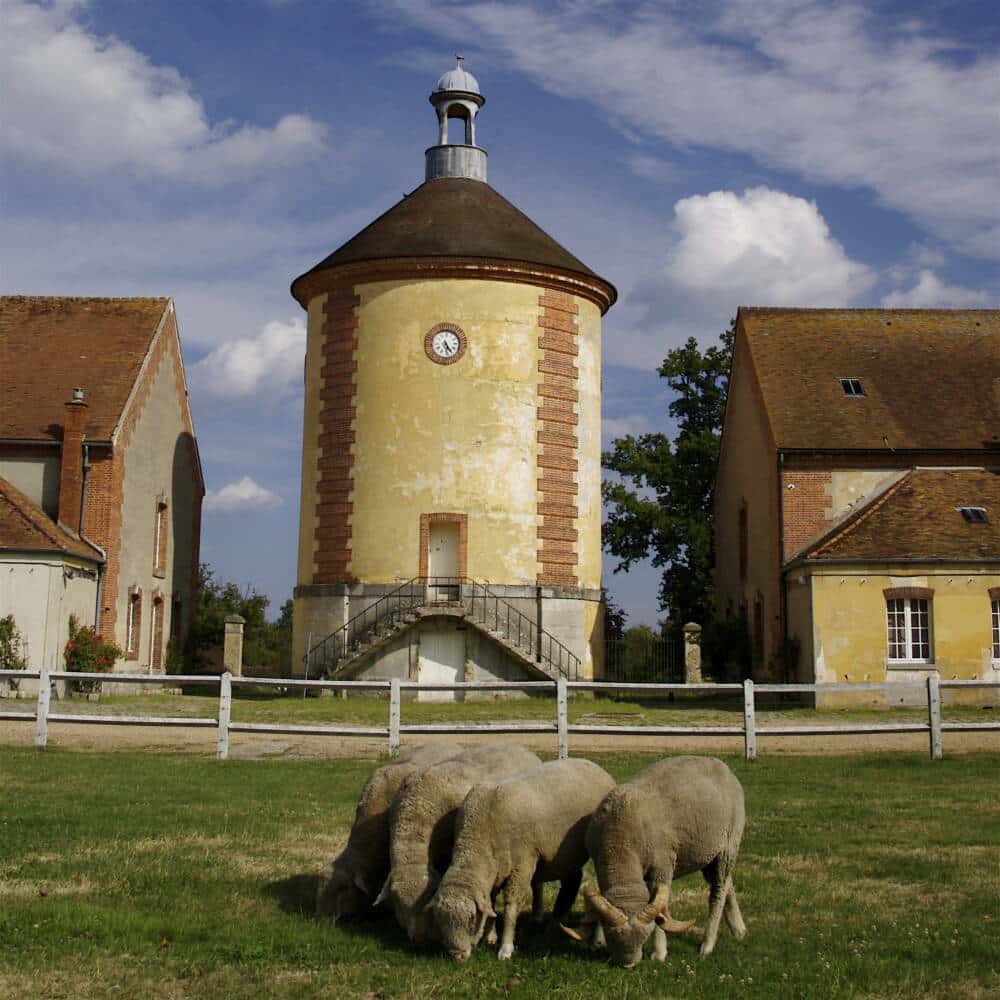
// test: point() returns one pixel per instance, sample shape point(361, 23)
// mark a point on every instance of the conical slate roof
point(456, 217)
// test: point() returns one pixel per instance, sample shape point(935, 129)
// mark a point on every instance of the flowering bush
point(11, 655)
point(87, 653)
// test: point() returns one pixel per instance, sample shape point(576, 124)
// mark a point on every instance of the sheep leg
point(514, 893)
point(568, 888)
point(717, 875)
point(491, 923)
point(538, 901)
point(659, 944)
point(732, 911)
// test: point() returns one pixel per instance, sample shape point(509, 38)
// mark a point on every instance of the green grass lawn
point(149, 876)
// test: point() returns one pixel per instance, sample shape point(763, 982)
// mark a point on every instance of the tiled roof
point(50, 345)
point(26, 527)
point(918, 517)
point(931, 377)
point(455, 217)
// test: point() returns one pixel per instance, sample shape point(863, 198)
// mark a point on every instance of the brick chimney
point(71, 464)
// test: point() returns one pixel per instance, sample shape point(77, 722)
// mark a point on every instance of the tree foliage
point(265, 644)
point(659, 502)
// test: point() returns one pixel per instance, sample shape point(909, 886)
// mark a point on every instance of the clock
point(445, 343)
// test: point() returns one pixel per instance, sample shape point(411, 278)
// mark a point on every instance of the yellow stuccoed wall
point(452, 438)
point(848, 635)
point(589, 434)
point(310, 438)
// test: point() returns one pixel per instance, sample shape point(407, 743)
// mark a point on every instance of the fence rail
point(561, 727)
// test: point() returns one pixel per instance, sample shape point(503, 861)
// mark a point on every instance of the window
point(852, 387)
point(156, 635)
point(995, 606)
point(974, 515)
point(909, 620)
point(133, 624)
point(160, 539)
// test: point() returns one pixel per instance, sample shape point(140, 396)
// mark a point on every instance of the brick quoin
point(335, 463)
point(558, 440)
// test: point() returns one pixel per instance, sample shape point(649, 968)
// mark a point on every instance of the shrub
point(11, 656)
point(87, 653)
point(727, 655)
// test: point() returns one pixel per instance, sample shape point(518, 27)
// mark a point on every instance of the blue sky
point(700, 156)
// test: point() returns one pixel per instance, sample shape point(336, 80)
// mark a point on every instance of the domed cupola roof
point(458, 79)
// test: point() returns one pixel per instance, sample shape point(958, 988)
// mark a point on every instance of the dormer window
point(973, 515)
point(852, 387)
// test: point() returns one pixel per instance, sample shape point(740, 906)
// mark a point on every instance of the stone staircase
point(344, 653)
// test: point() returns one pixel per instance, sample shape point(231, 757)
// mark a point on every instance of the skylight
point(974, 515)
point(852, 387)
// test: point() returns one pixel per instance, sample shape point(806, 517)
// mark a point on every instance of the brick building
point(100, 477)
point(858, 498)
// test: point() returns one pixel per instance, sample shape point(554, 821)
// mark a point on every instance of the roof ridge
point(85, 298)
point(861, 515)
point(870, 309)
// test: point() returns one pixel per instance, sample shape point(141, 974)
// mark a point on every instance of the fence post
point(934, 715)
point(562, 717)
point(750, 732)
point(394, 704)
point(42, 709)
point(225, 711)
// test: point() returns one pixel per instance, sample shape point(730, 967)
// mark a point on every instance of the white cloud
point(89, 104)
point(800, 85)
point(931, 292)
point(243, 495)
point(269, 363)
point(632, 424)
point(762, 247)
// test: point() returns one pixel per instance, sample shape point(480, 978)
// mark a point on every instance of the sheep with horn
point(677, 816)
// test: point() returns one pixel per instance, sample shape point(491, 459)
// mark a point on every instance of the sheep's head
point(410, 890)
point(627, 934)
point(340, 893)
point(460, 920)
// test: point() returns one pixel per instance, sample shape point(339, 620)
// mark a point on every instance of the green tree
point(265, 644)
point(659, 503)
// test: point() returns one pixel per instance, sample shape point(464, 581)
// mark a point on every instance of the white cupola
point(457, 95)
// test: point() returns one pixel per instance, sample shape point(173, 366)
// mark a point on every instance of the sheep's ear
point(359, 882)
point(485, 909)
point(384, 894)
point(573, 933)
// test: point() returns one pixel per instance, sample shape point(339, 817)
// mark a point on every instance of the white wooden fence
point(561, 728)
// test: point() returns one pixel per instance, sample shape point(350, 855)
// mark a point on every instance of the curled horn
point(656, 906)
point(605, 910)
point(384, 894)
point(657, 909)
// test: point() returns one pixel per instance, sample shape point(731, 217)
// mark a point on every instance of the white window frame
point(131, 639)
point(910, 608)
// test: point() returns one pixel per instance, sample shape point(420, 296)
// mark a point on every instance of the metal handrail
point(380, 618)
point(521, 631)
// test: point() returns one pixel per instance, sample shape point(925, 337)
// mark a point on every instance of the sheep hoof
point(505, 952)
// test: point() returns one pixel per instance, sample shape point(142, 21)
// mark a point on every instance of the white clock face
point(445, 343)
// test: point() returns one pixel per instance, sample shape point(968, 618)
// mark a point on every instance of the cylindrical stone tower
point(451, 446)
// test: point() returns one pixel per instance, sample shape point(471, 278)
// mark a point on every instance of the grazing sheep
point(349, 883)
point(422, 826)
point(523, 832)
point(677, 816)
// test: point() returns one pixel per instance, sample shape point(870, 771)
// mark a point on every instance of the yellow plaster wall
point(747, 470)
point(459, 437)
point(848, 486)
point(310, 438)
point(849, 623)
point(589, 436)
